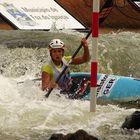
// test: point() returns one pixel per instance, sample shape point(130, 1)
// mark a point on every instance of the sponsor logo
point(105, 85)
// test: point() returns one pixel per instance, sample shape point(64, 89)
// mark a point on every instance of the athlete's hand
point(52, 84)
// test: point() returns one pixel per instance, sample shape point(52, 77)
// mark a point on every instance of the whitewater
point(24, 112)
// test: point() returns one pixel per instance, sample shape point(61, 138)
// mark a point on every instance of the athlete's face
point(57, 54)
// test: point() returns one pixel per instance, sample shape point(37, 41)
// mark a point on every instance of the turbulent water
point(24, 112)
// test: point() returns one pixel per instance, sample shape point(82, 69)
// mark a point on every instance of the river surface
point(24, 112)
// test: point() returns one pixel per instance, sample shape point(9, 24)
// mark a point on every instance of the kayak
point(112, 88)
point(109, 87)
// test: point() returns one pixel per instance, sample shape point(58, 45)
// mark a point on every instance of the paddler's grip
point(48, 93)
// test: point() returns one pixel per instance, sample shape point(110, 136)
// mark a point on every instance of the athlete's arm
point(45, 80)
point(85, 57)
point(47, 83)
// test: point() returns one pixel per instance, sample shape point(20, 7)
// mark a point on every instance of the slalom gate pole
point(94, 56)
point(65, 68)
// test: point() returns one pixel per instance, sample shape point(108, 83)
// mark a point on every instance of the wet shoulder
point(46, 68)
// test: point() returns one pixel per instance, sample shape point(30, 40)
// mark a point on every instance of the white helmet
point(56, 43)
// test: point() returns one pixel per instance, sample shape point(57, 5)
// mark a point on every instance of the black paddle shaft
point(66, 67)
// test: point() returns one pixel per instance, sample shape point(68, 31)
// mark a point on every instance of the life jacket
point(65, 81)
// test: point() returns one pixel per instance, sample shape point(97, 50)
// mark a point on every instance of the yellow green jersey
point(54, 71)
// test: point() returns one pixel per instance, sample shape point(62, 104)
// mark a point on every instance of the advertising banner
point(34, 14)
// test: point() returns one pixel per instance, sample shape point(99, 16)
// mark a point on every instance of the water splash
point(25, 114)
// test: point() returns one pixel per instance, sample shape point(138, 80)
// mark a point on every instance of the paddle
point(34, 80)
point(65, 68)
point(104, 12)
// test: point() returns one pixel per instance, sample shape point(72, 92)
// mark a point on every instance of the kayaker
point(58, 61)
